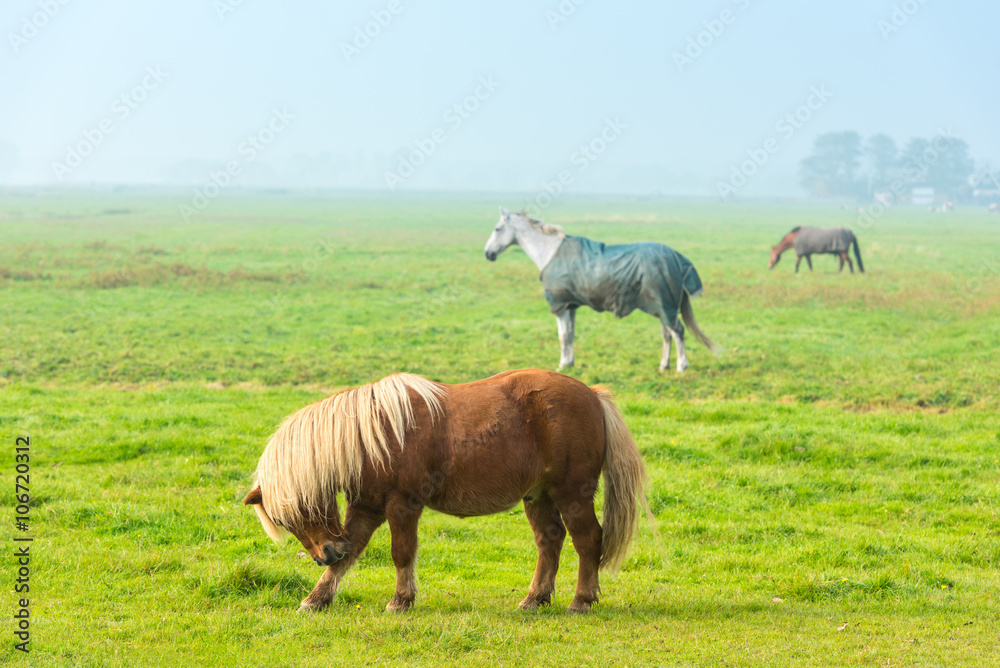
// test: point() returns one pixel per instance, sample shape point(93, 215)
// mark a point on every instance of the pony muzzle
point(330, 555)
point(490, 255)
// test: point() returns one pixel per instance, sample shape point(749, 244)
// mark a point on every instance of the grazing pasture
point(825, 492)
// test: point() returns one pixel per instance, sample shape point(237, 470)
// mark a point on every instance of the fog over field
point(393, 95)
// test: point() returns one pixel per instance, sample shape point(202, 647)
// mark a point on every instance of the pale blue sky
point(680, 130)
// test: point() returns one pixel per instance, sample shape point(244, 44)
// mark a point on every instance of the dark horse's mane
point(796, 229)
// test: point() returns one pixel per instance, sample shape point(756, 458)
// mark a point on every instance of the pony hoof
point(309, 606)
point(531, 604)
point(578, 607)
point(397, 604)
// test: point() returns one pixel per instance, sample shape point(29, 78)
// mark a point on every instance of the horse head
point(787, 242)
point(504, 235)
point(320, 533)
point(775, 256)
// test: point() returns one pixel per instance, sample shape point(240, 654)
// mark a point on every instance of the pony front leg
point(403, 520)
point(566, 323)
point(359, 526)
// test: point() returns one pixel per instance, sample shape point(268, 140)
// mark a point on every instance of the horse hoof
point(579, 607)
point(397, 604)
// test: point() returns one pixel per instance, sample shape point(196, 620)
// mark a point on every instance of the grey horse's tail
point(689, 320)
point(857, 254)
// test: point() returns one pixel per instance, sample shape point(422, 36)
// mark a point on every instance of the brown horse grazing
point(471, 449)
point(809, 240)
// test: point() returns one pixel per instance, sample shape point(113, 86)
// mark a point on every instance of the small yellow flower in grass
point(359, 607)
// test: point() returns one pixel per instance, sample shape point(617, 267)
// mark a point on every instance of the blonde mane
point(322, 448)
point(542, 227)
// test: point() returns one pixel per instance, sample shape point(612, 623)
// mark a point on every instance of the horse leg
point(403, 526)
point(359, 526)
point(798, 260)
point(566, 322)
point(841, 270)
point(682, 359)
point(850, 265)
point(665, 360)
point(809, 261)
point(549, 534)
point(578, 514)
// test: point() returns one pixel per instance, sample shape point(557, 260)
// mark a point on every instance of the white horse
point(576, 271)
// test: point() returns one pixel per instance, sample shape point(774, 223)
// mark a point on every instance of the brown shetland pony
point(404, 443)
point(809, 240)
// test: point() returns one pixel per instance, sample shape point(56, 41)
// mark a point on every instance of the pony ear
point(504, 212)
point(253, 498)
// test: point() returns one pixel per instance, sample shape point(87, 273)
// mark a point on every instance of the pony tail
point(624, 483)
point(857, 254)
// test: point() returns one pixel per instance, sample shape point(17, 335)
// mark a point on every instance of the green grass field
point(825, 492)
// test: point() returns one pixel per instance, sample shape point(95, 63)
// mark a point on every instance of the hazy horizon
point(515, 97)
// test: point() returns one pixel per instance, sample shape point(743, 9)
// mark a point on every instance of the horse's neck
point(540, 247)
point(786, 243)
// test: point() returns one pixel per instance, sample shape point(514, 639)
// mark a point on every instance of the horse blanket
point(619, 278)
point(811, 240)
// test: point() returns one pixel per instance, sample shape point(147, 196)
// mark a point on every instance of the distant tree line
point(843, 165)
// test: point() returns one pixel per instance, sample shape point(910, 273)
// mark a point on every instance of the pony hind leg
point(403, 526)
point(850, 265)
point(359, 526)
point(578, 515)
point(549, 535)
